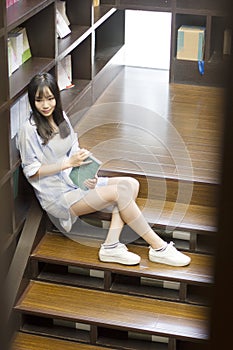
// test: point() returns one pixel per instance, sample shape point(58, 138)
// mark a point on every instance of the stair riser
point(173, 190)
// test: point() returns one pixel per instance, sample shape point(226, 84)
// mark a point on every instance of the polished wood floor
point(145, 125)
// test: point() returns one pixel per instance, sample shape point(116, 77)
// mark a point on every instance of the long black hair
point(44, 129)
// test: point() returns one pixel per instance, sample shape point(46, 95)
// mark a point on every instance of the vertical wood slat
point(22, 253)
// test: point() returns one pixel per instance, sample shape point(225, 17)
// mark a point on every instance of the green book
point(85, 171)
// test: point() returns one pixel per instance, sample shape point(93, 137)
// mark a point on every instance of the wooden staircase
point(74, 301)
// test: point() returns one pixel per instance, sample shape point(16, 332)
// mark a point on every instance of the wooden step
point(57, 249)
point(25, 341)
point(174, 216)
point(165, 187)
point(198, 222)
point(115, 311)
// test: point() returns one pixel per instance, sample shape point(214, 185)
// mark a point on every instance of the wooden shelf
point(72, 95)
point(102, 57)
point(24, 10)
point(187, 72)
point(21, 77)
point(200, 6)
point(101, 13)
point(155, 5)
point(67, 44)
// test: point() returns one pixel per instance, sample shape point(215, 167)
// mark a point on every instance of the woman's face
point(46, 103)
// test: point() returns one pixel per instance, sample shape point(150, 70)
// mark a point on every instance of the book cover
point(61, 6)
point(62, 28)
point(26, 50)
point(12, 61)
point(64, 73)
point(26, 46)
point(17, 45)
point(86, 171)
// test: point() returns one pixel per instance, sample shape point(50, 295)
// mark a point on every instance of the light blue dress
point(56, 193)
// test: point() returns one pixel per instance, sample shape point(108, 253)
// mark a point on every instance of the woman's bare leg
point(117, 224)
point(120, 193)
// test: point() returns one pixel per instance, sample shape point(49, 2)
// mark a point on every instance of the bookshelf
point(212, 15)
point(85, 44)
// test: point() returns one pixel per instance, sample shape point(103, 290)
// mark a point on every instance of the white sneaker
point(119, 255)
point(169, 256)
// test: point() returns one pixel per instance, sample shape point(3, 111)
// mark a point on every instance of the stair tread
point(59, 249)
point(25, 341)
point(175, 215)
point(182, 215)
point(115, 311)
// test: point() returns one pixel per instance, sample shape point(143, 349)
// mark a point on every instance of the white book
point(64, 73)
point(63, 79)
point(17, 44)
point(67, 64)
point(26, 46)
point(26, 51)
point(12, 61)
point(61, 6)
point(62, 28)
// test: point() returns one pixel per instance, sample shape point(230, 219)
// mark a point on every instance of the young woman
point(49, 149)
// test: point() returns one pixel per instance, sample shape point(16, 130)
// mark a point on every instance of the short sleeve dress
point(56, 193)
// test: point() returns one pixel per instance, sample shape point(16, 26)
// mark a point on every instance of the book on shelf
point(12, 59)
point(85, 171)
point(62, 27)
point(64, 73)
point(26, 54)
point(18, 48)
point(16, 39)
point(61, 6)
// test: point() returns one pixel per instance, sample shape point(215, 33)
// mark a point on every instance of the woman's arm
point(50, 169)
point(31, 153)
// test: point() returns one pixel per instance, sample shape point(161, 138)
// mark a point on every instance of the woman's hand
point(79, 158)
point(91, 183)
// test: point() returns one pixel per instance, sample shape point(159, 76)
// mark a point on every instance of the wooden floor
point(142, 124)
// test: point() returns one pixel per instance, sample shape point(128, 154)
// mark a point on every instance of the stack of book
point(18, 48)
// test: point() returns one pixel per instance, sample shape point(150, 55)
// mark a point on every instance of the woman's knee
point(135, 185)
point(128, 186)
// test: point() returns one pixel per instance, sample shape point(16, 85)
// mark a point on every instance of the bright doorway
point(147, 39)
